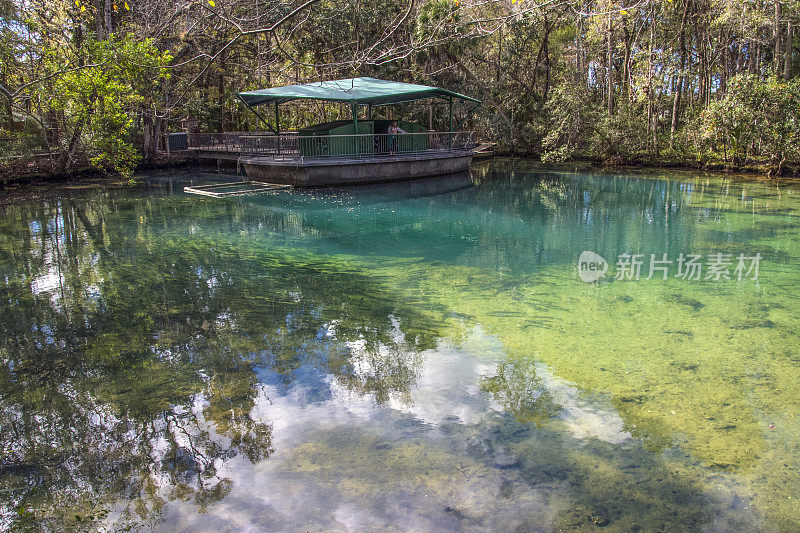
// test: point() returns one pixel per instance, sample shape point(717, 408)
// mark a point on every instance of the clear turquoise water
point(417, 356)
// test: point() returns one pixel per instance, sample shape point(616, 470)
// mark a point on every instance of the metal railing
point(356, 146)
point(217, 142)
point(176, 142)
point(294, 146)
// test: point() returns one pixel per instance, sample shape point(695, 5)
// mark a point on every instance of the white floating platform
point(238, 188)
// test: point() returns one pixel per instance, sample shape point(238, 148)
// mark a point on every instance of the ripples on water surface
point(416, 357)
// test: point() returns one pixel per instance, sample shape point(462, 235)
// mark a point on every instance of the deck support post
point(451, 114)
point(450, 137)
point(278, 127)
point(354, 113)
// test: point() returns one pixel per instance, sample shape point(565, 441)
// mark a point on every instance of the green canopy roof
point(363, 91)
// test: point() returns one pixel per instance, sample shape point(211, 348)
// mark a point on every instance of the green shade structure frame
point(354, 91)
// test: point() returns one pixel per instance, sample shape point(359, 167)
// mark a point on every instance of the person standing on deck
point(393, 131)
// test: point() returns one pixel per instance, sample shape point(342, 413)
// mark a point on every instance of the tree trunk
point(578, 79)
point(546, 45)
point(578, 30)
point(723, 78)
point(499, 55)
point(68, 157)
point(676, 103)
point(9, 115)
point(626, 73)
point(756, 70)
point(778, 36)
point(107, 18)
point(787, 55)
point(221, 94)
point(99, 11)
point(7, 108)
point(158, 134)
point(740, 59)
point(650, 88)
point(147, 138)
point(102, 19)
point(610, 78)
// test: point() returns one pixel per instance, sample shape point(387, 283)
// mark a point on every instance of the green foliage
point(621, 135)
point(755, 118)
point(568, 113)
point(579, 126)
point(521, 392)
point(435, 21)
point(601, 81)
point(96, 102)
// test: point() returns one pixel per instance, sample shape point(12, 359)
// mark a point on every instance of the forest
point(695, 83)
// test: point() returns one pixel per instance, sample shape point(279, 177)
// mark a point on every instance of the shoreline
point(752, 173)
point(95, 176)
point(41, 176)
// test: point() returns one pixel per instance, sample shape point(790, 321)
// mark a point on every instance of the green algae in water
point(405, 337)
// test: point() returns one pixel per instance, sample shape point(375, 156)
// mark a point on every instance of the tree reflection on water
point(154, 349)
point(129, 352)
